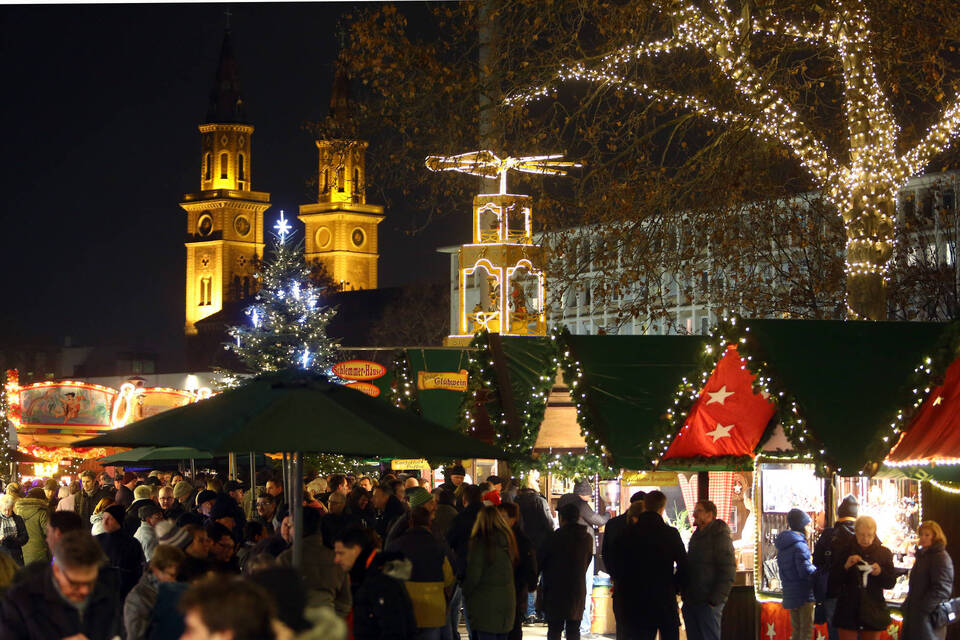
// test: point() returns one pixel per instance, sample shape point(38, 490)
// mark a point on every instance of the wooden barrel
point(601, 618)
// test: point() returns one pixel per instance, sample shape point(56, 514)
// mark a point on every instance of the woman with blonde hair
point(862, 569)
point(931, 582)
point(13, 531)
point(488, 587)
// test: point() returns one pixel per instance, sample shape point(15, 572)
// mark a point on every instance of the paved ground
point(534, 631)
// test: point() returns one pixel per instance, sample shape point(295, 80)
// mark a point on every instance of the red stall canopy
point(934, 433)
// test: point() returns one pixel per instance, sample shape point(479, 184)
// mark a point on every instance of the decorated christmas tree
point(6, 454)
point(288, 320)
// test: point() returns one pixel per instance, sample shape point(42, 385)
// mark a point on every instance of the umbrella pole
point(193, 471)
point(296, 490)
point(231, 466)
point(253, 480)
point(285, 472)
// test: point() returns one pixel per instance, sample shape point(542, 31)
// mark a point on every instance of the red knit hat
point(493, 497)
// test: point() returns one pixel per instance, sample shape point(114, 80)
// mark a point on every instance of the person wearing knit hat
point(205, 500)
point(796, 573)
point(181, 493)
point(416, 497)
point(491, 498)
point(146, 534)
point(169, 533)
point(420, 497)
point(837, 536)
point(142, 496)
point(582, 492)
point(453, 477)
point(123, 551)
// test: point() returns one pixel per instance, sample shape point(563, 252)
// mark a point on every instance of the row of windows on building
point(340, 182)
point(240, 288)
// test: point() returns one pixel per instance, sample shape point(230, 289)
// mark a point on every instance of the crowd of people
point(161, 555)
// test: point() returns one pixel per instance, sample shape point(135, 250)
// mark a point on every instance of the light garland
point(864, 188)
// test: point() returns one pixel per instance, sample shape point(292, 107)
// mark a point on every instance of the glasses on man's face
point(262, 504)
point(75, 584)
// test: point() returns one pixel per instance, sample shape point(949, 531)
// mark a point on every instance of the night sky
point(100, 111)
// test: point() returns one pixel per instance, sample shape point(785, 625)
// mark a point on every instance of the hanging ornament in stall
point(728, 418)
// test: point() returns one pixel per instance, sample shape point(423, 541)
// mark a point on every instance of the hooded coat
point(712, 565)
point(848, 581)
point(381, 608)
point(796, 569)
point(488, 591)
point(35, 513)
point(931, 582)
point(535, 518)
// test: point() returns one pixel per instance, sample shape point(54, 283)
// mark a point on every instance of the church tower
point(225, 217)
point(341, 228)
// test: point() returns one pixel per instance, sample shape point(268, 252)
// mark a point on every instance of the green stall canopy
point(439, 405)
point(630, 382)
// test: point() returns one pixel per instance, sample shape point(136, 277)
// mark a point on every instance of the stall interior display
point(782, 487)
point(895, 504)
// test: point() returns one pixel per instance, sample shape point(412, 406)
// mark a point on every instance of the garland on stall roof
point(403, 393)
point(597, 458)
point(928, 375)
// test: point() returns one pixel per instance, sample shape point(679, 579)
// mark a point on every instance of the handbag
point(945, 613)
point(873, 615)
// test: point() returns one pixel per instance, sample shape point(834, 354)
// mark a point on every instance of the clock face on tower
point(357, 237)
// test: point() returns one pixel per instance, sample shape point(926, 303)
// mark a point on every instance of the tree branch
point(938, 138)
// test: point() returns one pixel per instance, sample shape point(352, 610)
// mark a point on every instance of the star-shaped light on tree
point(283, 227)
point(719, 396)
point(720, 432)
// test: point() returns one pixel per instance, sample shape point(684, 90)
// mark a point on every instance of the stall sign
point(405, 464)
point(650, 478)
point(371, 390)
point(449, 380)
point(359, 370)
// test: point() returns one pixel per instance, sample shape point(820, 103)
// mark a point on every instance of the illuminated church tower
point(225, 217)
point(341, 228)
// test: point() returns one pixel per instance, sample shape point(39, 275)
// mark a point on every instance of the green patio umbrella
point(297, 411)
point(294, 412)
point(155, 454)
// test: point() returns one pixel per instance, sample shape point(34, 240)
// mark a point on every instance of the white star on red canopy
point(728, 418)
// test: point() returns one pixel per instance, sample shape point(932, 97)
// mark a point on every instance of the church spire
point(340, 96)
point(226, 103)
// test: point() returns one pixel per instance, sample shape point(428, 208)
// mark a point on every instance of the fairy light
point(863, 186)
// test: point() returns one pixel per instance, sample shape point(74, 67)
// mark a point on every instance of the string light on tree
point(861, 182)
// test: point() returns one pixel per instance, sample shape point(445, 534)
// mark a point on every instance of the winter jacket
point(138, 607)
point(712, 565)
point(35, 513)
point(614, 528)
point(488, 592)
point(443, 520)
point(68, 503)
point(147, 538)
point(649, 565)
point(796, 569)
point(382, 609)
point(332, 525)
point(124, 496)
point(848, 581)
point(838, 535)
point(563, 560)
point(327, 584)
point(535, 518)
point(458, 537)
point(431, 578)
point(175, 511)
point(588, 517)
point(125, 554)
point(14, 544)
point(385, 519)
point(33, 609)
point(931, 582)
point(84, 504)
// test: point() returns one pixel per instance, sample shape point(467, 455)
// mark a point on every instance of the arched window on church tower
point(237, 288)
point(326, 180)
point(224, 166)
point(205, 292)
point(340, 185)
point(356, 185)
point(208, 166)
point(240, 174)
point(246, 286)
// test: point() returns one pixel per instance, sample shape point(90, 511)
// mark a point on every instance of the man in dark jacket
point(388, 508)
point(615, 526)
point(89, 496)
point(563, 561)
point(381, 607)
point(796, 573)
point(453, 477)
point(712, 568)
point(649, 565)
point(838, 535)
point(580, 497)
point(327, 585)
point(537, 523)
point(66, 599)
point(125, 490)
point(123, 551)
